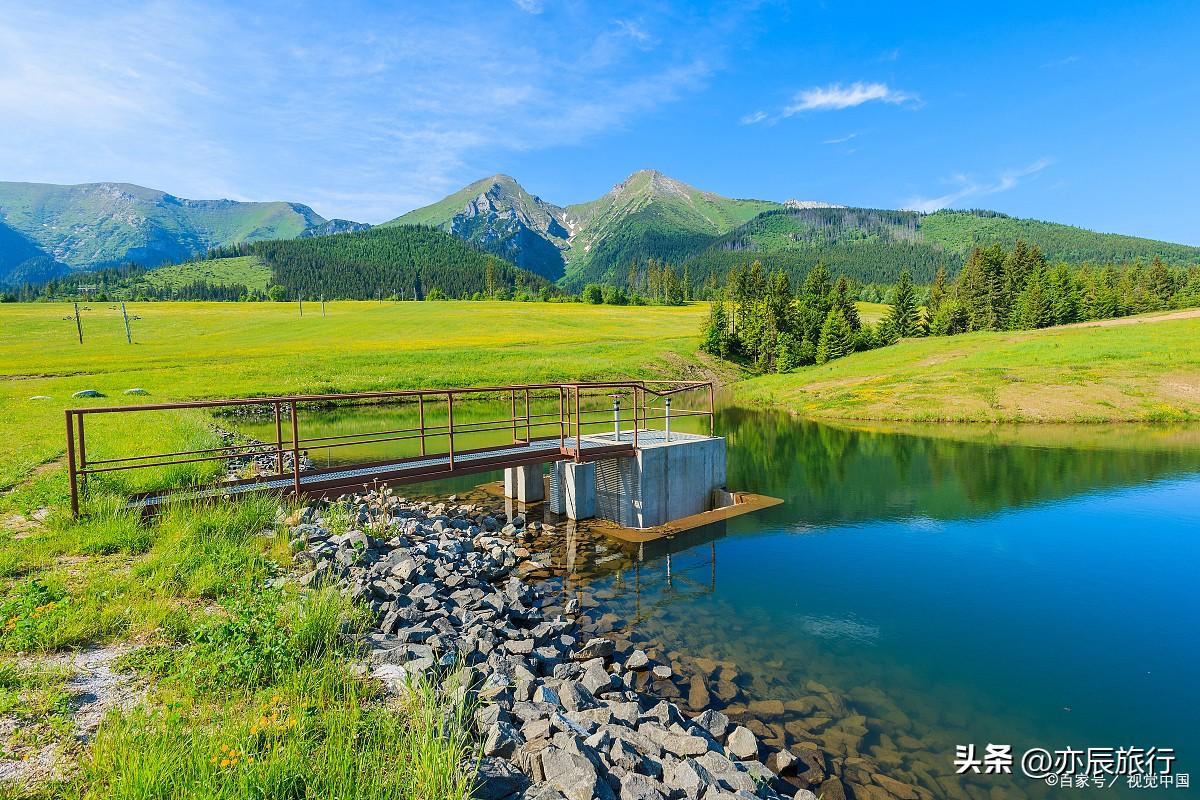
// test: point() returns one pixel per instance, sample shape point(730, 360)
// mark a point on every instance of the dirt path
point(1187, 313)
point(94, 689)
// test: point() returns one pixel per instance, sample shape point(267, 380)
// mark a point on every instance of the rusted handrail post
point(450, 424)
point(82, 456)
point(528, 432)
point(578, 431)
point(512, 397)
point(421, 412)
point(278, 440)
point(71, 464)
point(561, 420)
point(712, 411)
point(295, 450)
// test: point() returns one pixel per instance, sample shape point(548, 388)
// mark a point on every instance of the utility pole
point(300, 299)
point(322, 305)
point(125, 315)
point(78, 324)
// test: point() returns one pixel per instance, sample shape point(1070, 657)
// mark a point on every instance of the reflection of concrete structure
point(663, 480)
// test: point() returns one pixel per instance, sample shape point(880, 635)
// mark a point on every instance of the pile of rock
point(255, 457)
point(560, 715)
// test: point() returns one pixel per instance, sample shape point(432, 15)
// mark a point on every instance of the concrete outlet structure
point(661, 482)
point(525, 483)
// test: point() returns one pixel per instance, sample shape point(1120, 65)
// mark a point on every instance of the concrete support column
point(577, 488)
point(524, 484)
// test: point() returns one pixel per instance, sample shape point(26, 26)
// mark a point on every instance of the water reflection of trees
point(830, 474)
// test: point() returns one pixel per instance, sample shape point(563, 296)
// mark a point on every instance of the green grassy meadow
point(248, 271)
point(249, 690)
point(1140, 372)
point(219, 350)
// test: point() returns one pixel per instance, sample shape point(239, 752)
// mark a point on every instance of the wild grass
point(1147, 372)
point(215, 350)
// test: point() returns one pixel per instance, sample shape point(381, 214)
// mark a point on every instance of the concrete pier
point(573, 489)
point(664, 480)
point(525, 484)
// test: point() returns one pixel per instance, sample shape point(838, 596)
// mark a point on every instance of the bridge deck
point(426, 468)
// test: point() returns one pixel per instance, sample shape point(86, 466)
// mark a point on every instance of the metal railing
point(438, 452)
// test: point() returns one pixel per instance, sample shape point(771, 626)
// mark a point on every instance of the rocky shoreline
point(255, 462)
point(563, 711)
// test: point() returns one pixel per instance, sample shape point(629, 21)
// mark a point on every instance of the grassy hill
point(248, 271)
point(96, 225)
point(1133, 369)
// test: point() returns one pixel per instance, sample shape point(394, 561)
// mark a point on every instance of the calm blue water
point(935, 592)
point(951, 592)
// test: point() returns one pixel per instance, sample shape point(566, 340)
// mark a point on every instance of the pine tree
point(844, 301)
point(715, 338)
point(836, 340)
point(937, 292)
point(904, 315)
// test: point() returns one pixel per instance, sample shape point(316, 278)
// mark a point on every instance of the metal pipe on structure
point(667, 416)
point(616, 418)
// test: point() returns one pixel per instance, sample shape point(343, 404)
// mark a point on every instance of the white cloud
point(969, 187)
point(841, 139)
point(387, 109)
point(836, 97)
point(634, 31)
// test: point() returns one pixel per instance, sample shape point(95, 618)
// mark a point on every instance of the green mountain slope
point(961, 231)
point(497, 215)
point(649, 215)
point(873, 245)
point(101, 224)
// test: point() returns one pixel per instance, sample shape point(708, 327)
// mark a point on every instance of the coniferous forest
point(760, 320)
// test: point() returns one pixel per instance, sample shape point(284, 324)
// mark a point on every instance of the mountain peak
point(802, 204)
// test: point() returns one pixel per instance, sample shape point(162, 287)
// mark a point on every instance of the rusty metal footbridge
point(456, 431)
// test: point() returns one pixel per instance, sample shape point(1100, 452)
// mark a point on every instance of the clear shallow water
point(934, 593)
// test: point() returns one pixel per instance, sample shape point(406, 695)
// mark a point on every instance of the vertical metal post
point(616, 419)
point(528, 433)
point(450, 424)
point(278, 440)
point(667, 415)
point(578, 431)
point(636, 421)
point(712, 412)
point(421, 413)
point(82, 458)
point(561, 420)
point(125, 315)
point(71, 464)
point(295, 450)
point(512, 397)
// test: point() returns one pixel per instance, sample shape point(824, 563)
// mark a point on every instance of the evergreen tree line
point(757, 319)
point(1012, 289)
point(127, 282)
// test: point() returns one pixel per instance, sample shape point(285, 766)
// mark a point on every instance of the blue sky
point(1086, 113)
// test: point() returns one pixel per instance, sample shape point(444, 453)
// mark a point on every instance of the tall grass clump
point(209, 550)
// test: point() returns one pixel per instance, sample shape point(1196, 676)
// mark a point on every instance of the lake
point(913, 593)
